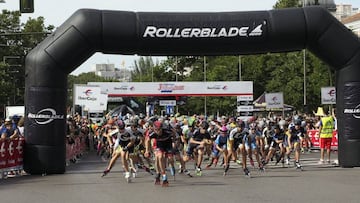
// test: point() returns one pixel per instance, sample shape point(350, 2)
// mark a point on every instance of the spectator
point(9, 130)
point(326, 127)
point(21, 126)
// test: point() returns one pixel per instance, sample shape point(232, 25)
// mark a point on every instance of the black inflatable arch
point(228, 33)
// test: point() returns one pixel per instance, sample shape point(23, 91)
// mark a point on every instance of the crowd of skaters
point(155, 144)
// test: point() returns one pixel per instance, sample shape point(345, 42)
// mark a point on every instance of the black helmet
point(277, 126)
point(240, 124)
point(297, 122)
point(121, 124)
point(204, 125)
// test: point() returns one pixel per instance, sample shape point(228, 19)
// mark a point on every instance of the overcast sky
point(56, 12)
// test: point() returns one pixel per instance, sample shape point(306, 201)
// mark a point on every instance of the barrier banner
point(68, 152)
point(19, 147)
point(3, 154)
point(314, 136)
point(11, 151)
point(77, 146)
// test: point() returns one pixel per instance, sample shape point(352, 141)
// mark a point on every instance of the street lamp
point(330, 6)
point(240, 68)
point(304, 68)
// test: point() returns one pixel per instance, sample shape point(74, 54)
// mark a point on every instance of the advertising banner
point(45, 111)
point(315, 139)
point(3, 153)
point(229, 88)
point(274, 100)
point(90, 97)
point(167, 103)
point(245, 106)
point(100, 105)
point(351, 111)
point(328, 95)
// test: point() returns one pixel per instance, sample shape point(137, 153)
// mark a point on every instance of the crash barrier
point(11, 156)
point(314, 136)
point(75, 149)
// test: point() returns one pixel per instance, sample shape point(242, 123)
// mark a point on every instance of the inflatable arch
point(163, 34)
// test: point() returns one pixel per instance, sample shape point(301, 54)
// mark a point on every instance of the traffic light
point(26, 6)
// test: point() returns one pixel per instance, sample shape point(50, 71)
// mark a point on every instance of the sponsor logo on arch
point(45, 116)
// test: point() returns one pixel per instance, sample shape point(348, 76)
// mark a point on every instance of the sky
point(56, 12)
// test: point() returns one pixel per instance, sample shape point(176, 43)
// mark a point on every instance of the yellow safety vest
point(327, 127)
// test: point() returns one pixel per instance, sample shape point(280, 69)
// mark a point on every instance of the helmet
point(223, 129)
point(157, 124)
point(297, 122)
point(133, 124)
point(303, 123)
point(261, 124)
point(240, 124)
point(121, 124)
point(277, 126)
point(141, 116)
point(204, 125)
point(252, 126)
point(282, 122)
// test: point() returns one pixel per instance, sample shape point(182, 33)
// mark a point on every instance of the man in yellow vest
point(326, 127)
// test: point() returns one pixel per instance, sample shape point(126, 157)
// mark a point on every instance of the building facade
point(109, 71)
point(349, 16)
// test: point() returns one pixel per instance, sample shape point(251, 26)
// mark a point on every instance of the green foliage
point(279, 72)
point(142, 70)
point(5, 83)
point(16, 40)
point(288, 4)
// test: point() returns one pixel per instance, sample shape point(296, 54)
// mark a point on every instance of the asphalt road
point(82, 183)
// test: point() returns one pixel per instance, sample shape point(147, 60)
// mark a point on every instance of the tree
point(287, 4)
point(16, 40)
point(143, 70)
point(314, 67)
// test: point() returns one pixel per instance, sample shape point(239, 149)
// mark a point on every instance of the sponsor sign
point(167, 102)
point(245, 98)
point(246, 113)
point(100, 105)
point(229, 88)
point(203, 32)
point(245, 108)
point(245, 103)
point(328, 95)
point(45, 116)
point(169, 110)
point(274, 100)
point(90, 97)
point(351, 111)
